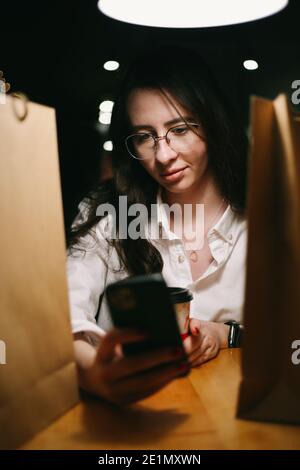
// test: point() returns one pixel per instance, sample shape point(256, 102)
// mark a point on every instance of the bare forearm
point(85, 355)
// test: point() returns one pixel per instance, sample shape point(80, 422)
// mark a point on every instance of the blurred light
point(108, 145)
point(250, 64)
point(106, 106)
point(104, 118)
point(190, 13)
point(111, 65)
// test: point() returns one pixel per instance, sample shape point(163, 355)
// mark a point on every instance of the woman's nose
point(164, 152)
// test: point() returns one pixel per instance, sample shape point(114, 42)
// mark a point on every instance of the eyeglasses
point(179, 138)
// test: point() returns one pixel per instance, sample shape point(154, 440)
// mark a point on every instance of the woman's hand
point(205, 341)
point(123, 380)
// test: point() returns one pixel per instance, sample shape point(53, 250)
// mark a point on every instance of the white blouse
point(218, 294)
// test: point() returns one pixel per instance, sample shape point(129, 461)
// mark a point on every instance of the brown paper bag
point(270, 388)
point(37, 370)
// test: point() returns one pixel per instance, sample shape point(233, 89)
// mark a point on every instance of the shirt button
point(230, 236)
point(181, 259)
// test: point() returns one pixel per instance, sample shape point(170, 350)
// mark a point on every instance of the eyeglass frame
point(156, 138)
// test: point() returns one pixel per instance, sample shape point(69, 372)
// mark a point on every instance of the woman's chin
point(178, 187)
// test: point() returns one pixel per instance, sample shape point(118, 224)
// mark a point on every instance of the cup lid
point(180, 294)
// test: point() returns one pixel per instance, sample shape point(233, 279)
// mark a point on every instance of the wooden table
point(197, 412)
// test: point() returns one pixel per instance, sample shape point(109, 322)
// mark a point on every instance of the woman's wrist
point(85, 355)
point(220, 331)
point(223, 331)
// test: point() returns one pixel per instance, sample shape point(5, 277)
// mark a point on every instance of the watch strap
point(235, 334)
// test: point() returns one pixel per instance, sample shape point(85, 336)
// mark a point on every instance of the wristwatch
point(235, 334)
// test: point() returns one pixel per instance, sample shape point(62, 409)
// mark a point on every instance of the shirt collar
point(227, 227)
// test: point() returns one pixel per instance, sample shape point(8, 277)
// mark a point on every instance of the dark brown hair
point(187, 79)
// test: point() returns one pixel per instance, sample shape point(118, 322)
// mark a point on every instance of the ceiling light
point(111, 65)
point(108, 146)
point(106, 106)
point(250, 64)
point(104, 118)
point(190, 13)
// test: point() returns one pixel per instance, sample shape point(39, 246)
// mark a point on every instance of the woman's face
point(177, 171)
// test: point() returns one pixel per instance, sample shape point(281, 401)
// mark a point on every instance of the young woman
point(175, 141)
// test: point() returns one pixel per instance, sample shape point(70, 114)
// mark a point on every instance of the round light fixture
point(190, 13)
point(108, 146)
point(104, 118)
point(111, 65)
point(106, 106)
point(250, 64)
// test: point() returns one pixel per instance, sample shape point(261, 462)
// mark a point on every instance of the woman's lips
point(174, 175)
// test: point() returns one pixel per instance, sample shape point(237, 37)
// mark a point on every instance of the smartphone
point(143, 302)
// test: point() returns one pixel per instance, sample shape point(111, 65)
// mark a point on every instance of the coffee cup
point(181, 299)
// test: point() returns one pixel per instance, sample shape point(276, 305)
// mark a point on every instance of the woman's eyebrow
point(168, 123)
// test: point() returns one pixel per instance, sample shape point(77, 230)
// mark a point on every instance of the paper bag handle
point(24, 99)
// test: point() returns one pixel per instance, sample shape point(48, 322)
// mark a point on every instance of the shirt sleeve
point(86, 277)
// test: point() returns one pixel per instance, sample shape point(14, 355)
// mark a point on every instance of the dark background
point(54, 52)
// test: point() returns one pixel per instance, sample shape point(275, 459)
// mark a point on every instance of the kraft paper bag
point(37, 369)
point(270, 387)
